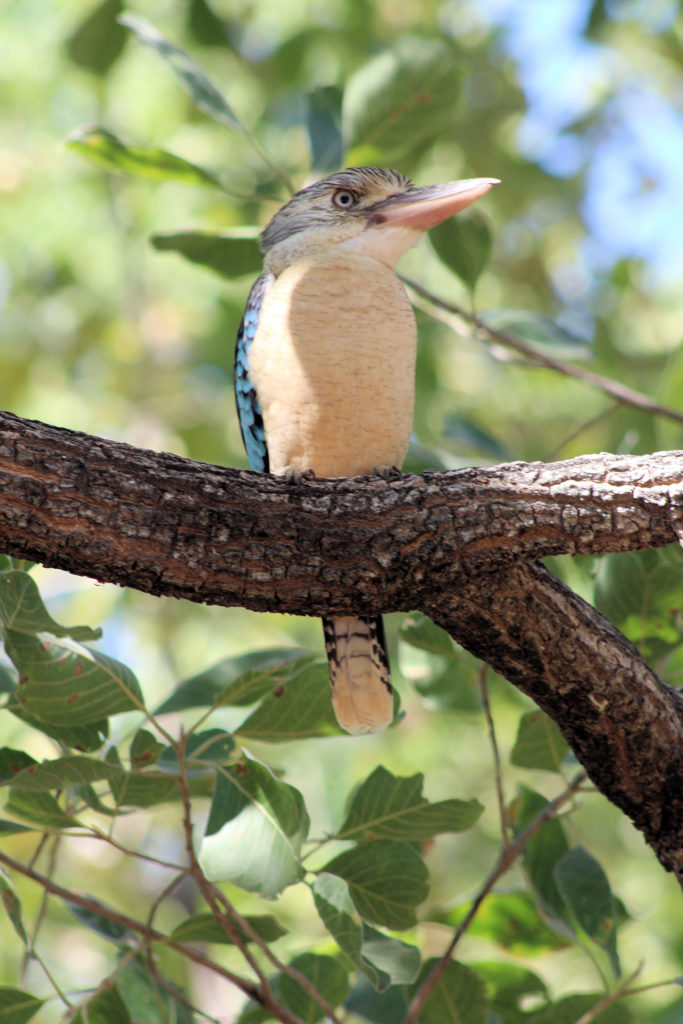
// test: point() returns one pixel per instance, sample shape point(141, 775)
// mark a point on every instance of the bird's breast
point(333, 365)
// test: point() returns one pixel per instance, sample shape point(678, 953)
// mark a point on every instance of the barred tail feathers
point(362, 695)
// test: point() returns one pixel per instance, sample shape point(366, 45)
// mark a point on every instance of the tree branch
point(459, 546)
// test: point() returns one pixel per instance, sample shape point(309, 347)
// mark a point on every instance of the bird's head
point(377, 212)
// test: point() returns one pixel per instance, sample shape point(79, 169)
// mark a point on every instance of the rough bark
point(460, 546)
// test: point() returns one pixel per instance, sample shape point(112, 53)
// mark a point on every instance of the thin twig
point(502, 810)
point(249, 989)
point(231, 920)
point(609, 998)
point(507, 858)
point(621, 393)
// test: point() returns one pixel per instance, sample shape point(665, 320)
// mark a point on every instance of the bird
point(325, 367)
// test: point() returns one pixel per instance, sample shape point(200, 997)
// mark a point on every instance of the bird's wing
point(248, 408)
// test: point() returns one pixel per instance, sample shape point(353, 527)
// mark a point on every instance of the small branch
point(610, 997)
point(622, 394)
point(508, 856)
point(149, 935)
point(498, 775)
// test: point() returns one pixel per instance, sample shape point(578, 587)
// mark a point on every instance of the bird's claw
point(387, 472)
point(294, 475)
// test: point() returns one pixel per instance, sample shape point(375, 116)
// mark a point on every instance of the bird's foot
point(387, 472)
point(294, 475)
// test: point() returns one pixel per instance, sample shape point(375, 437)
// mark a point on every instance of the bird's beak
point(422, 208)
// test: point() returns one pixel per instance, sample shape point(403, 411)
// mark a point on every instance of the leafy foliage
point(314, 853)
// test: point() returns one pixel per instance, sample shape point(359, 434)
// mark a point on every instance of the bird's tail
point(362, 696)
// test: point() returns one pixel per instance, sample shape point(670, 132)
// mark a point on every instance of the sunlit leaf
point(99, 39)
point(511, 919)
point(338, 914)
point(401, 99)
point(255, 830)
point(238, 681)
point(386, 880)
point(22, 610)
point(458, 998)
point(17, 1007)
point(394, 962)
point(463, 243)
point(205, 928)
point(107, 150)
point(197, 83)
point(140, 789)
point(539, 743)
point(391, 807)
point(66, 684)
point(296, 709)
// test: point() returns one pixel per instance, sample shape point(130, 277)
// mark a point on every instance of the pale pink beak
point(423, 207)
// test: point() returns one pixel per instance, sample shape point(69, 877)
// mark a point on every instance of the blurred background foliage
point(576, 106)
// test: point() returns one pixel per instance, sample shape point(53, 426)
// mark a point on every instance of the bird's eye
point(344, 199)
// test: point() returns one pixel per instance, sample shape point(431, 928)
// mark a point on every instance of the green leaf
point(538, 331)
point(100, 923)
point(143, 789)
point(145, 749)
point(511, 919)
point(338, 914)
point(205, 928)
point(464, 244)
point(329, 979)
point(539, 743)
point(255, 830)
point(459, 996)
point(65, 684)
point(641, 592)
point(387, 880)
point(12, 762)
point(395, 962)
point(572, 1008)
point(99, 39)
point(206, 27)
point(39, 809)
point(509, 987)
point(393, 808)
point(8, 680)
point(584, 887)
point(71, 770)
point(237, 681)
point(401, 100)
point(193, 79)
point(295, 710)
point(22, 609)
point(323, 120)
point(84, 738)
point(540, 855)
point(419, 631)
point(107, 1007)
point(147, 999)
point(12, 905)
point(384, 1007)
point(9, 828)
point(230, 255)
point(16, 1006)
point(107, 150)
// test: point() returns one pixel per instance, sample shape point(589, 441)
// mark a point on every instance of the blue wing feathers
point(248, 408)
